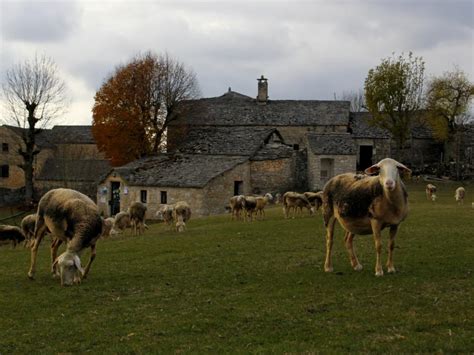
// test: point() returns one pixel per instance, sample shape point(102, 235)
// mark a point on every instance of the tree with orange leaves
point(135, 105)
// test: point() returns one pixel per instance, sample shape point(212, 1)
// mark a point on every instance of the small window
point(5, 171)
point(296, 147)
point(4, 147)
point(143, 196)
point(163, 197)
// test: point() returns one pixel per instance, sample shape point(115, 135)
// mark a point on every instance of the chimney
point(262, 95)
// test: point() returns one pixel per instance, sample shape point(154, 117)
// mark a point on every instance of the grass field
point(233, 287)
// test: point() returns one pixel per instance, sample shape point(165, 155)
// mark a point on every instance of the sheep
point(295, 201)
point(181, 214)
point(165, 213)
point(365, 205)
point(108, 225)
point(249, 204)
point(71, 217)
point(459, 195)
point(137, 212)
point(261, 203)
point(236, 206)
point(431, 192)
point(277, 197)
point(121, 222)
point(28, 228)
point(12, 233)
point(315, 198)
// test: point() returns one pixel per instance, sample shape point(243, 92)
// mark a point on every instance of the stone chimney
point(262, 95)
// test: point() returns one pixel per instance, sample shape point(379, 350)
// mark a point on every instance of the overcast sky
point(307, 49)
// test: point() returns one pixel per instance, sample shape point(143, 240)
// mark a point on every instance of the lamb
point(28, 228)
point(295, 201)
point(181, 214)
point(315, 198)
point(165, 213)
point(236, 206)
point(459, 195)
point(108, 225)
point(249, 204)
point(431, 192)
point(121, 222)
point(137, 212)
point(12, 233)
point(365, 205)
point(262, 201)
point(74, 218)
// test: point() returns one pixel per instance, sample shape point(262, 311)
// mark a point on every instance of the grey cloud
point(39, 21)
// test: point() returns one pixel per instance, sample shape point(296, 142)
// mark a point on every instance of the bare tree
point(356, 98)
point(34, 94)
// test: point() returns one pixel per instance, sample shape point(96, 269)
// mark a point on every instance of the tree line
point(139, 99)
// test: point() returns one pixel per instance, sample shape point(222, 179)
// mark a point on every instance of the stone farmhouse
point(236, 144)
point(68, 158)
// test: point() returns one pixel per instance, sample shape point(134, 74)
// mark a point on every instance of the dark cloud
point(39, 21)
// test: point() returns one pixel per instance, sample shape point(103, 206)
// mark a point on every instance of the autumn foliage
point(135, 105)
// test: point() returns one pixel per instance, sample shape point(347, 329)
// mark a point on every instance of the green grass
point(233, 287)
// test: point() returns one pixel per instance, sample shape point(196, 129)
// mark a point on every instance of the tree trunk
point(29, 157)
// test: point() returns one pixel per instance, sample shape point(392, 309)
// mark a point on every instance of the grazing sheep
point(262, 201)
point(295, 201)
point(122, 222)
point(277, 198)
point(236, 206)
point(28, 228)
point(459, 195)
point(71, 217)
point(12, 233)
point(137, 212)
point(165, 213)
point(365, 205)
point(431, 192)
point(108, 225)
point(249, 204)
point(181, 214)
point(315, 198)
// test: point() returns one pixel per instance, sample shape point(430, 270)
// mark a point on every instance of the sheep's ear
point(403, 168)
point(374, 169)
point(77, 264)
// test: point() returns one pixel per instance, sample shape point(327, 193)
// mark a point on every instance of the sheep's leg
point(377, 230)
point(39, 234)
point(348, 239)
point(55, 243)
point(391, 246)
point(88, 266)
point(329, 243)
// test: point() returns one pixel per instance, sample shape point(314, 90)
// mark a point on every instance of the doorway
point(365, 157)
point(238, 187)
point(114, 197)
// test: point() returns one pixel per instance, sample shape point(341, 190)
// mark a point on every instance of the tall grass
point(225, 287)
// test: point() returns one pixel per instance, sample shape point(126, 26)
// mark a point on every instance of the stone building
point(68, 157)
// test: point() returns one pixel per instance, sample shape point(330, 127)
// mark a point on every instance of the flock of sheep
point(361, 203)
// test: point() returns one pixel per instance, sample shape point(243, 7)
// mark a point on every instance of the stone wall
point(78, 151)
point(85, 187)
point(342, 164)
point(272, 175)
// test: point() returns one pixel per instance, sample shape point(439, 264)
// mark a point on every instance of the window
point(163, 197)
point(238, 187)
point(327, 168)
point(296, 147)
point(4, 147)
point(143, 196)
point(5, 171)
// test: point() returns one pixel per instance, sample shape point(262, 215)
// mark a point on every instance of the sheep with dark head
point(73, 218)
point(11, 233)
point(366, 205)
point(137, 212)
point(315, 199)
point(181, 214)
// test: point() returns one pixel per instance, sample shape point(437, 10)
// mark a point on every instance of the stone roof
point(224, 140)
point(331, 144)
point(361, 128)
point(43, 138)
point(74, 170)
point(72, 134)
point(177, 170)
point(236, 109)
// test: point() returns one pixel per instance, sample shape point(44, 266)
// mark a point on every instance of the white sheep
point(165, 213)
point(236, 205)
point(121, 222)
point(460, 194)
point(430, 192)
point(71, 217)
point(296, 202)
point(181, 214)
point(262, 201)
point(364, 205)
point(137, 212)
point(108, 225)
